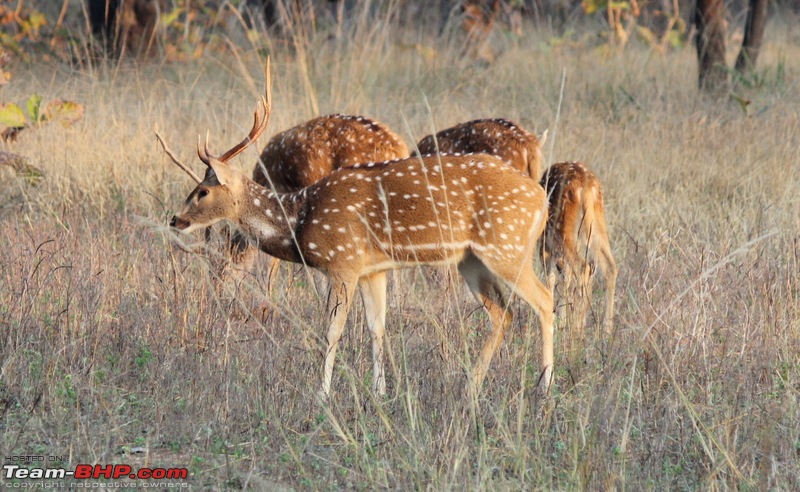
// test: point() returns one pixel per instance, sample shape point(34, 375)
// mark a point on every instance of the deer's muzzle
point(179, 223)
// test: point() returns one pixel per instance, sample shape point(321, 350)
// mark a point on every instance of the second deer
point(498, 137)
point(576, 240)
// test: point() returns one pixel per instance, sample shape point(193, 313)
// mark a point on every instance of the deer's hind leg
point(518, 274)
point(605, 261)
point(486, 288)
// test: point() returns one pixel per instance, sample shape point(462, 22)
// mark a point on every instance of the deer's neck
point(270, 220)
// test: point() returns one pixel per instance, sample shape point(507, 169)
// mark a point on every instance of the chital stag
point(301, 156)
point(499, 137)
point(576, 238)
point(362, 221)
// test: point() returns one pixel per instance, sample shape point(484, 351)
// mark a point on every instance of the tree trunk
point(126, 25)
point(710, 21)
point(269, 10)
point(753, 34)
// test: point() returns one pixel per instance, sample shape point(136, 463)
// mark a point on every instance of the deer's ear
point(225, 174)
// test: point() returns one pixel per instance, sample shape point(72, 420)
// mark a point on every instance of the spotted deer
point(576, 239)
point(301, 156)
point(499, 137)
point(362, 221)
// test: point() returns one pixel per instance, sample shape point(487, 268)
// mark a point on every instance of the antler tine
point(267, 90)
point(202, 153)
point(207, 151)
point(175, 158)
point(259, 124)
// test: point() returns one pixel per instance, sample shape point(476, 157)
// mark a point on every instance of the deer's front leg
point(373, 293)
point(340, 296)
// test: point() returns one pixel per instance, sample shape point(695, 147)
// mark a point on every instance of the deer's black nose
point(179, 223)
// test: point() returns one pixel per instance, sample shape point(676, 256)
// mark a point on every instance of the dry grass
point(113, 339)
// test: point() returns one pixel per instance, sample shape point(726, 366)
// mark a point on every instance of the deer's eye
point(202, 193)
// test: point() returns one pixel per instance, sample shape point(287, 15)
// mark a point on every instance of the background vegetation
point(115, 346)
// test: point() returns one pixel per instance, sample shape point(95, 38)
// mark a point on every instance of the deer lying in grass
point(502, 138)
point(361, 221)
point(301, 156)
point(576, 238)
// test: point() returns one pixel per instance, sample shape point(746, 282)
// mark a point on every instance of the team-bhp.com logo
point(16, 471)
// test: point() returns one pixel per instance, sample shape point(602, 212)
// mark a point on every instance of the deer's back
point(427, 210)
point(498, 137)
point(301, 156)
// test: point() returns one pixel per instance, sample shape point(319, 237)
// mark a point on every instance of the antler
point(175, 158)
point(259, 125)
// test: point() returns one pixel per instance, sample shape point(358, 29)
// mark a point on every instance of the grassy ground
point(114, 341)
